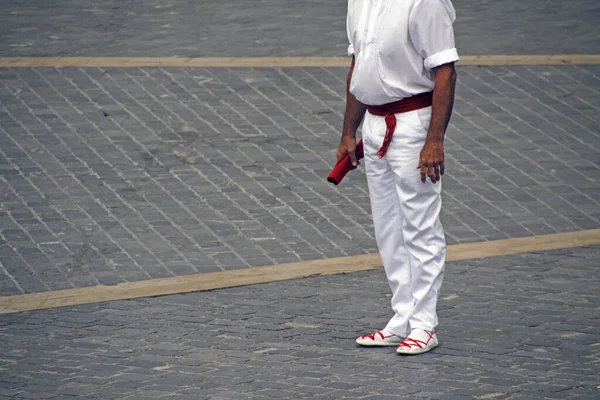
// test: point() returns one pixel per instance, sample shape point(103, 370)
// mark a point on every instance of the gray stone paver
point(189, 28)
point(112, 175)
point(516, 327)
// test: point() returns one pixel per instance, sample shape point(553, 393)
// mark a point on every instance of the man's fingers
point(442, 168)
point(342, 152)
point(352, 155)
point(431, 173)
point(432, 170)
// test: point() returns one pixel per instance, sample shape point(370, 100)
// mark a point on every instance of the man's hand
point(348, 146)
point(431, 162)
point(355, 111)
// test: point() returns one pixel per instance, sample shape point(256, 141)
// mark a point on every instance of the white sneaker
point(380, 338)
point(419, 341)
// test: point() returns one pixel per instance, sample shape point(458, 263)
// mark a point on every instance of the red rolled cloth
point(344, 165)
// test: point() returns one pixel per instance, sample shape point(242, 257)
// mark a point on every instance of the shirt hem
point(441, 58)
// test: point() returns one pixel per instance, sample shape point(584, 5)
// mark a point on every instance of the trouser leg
point(409, 234)
point(426, 247)
point(387, 221)
point(421, 228)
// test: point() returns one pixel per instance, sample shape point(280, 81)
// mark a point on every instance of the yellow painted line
point(533, 60)
point(248, 62)
point(274, 273)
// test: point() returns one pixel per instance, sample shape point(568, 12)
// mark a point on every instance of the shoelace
point(372, 336)
point(416, 342)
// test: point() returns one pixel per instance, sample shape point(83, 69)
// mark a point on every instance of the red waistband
point(407, 104)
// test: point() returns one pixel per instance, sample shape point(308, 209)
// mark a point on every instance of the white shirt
point(396, 44)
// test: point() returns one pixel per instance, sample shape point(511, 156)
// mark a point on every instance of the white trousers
point(406, 212)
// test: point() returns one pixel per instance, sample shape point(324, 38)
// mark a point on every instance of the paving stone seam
point(285, 168)
point(532, 160)
point(508, 112)
point(80, 184)
point(496, 189)
point(150, 177)
point(491, 184)
point(334, 93)
point(194, 113)
point(541, 200)
point(116, 218)
point(566, 104)
point(308, 92)
point(181, 204)
point(342, 81)
point(172, 172)
point(221, 153)
point(589, 88)
point(26, 129)
point(198, 154)
point(257, 201)
point(35, 213)
point(235, 164)
point(299, 143)
point(108, 185)
point(520, 205)
point(478, 214)
point(294, 99)
point(41, 221)
point(294, 117)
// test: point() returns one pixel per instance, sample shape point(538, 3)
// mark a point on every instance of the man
point(402, 73)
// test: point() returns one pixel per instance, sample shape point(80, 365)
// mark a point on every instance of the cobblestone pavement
point(274, 27)
point(112, 175)
point(518, 327)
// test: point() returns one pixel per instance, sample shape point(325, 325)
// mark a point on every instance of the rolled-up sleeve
point(431, 32)
point(351, 43)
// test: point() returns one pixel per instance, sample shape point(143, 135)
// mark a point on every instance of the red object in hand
point(344, 165)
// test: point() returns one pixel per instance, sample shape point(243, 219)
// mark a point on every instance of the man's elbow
point(453, 75)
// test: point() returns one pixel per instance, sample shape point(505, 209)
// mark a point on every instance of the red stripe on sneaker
point(416, 342)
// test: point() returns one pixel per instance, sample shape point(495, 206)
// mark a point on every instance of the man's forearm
point(443, 101)
point(355, 110)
